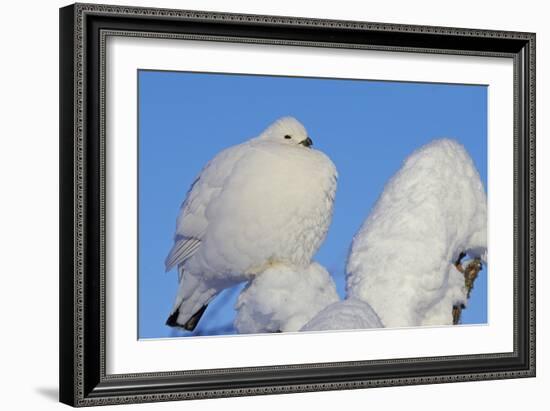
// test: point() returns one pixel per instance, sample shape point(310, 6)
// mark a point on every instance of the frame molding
point(83, 31)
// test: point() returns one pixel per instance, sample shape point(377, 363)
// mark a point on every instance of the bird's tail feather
point(191, 302)
point(191, 323)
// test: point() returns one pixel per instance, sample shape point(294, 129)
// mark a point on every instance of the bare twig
point(470, 273)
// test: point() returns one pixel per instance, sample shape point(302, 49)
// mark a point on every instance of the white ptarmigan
point(266, 201)
point(402, 260)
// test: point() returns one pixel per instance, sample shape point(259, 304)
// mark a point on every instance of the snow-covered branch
point(350, 314)
point(283, 298)
point(402, 259)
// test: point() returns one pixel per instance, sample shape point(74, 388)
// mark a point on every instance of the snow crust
point(283, 298)
point(349, 314)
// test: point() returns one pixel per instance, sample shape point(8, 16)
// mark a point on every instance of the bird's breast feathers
point(273, 202)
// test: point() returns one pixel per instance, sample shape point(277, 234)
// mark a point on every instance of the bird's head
point(287, 130)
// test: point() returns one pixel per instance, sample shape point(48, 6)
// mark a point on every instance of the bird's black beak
point(308, 142)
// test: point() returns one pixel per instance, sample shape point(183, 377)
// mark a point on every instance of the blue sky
point(366, 127)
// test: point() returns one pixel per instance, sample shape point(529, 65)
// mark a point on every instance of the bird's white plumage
point(268, 200)
point(350, 314)
point(283, 298)
point(401, 260)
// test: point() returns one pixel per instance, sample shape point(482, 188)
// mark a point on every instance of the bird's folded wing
point(192, 221)
point(183, 248)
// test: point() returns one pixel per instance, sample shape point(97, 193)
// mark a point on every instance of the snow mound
point(283, 298)
point(351, 314)
point(402, 259)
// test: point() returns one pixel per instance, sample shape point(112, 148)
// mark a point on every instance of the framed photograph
point(262, 204)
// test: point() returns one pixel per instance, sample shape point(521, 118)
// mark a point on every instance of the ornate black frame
point(83, 30)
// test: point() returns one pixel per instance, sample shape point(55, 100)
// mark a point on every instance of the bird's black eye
point(288, 136)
